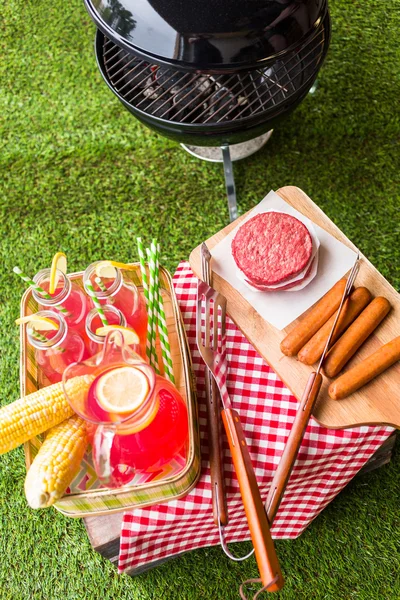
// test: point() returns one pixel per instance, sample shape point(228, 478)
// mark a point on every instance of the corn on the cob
point(56, 463)
point(23, 419)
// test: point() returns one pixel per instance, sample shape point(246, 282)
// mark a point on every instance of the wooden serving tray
point(376, 403)
point(86, 496)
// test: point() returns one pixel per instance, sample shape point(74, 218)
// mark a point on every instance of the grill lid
point(211, 36)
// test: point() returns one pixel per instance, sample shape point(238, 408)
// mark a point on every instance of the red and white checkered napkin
point(327, 461)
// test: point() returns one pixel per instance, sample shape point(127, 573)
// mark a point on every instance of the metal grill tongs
point(220, 509)
point(303, 415)
point(210, 332)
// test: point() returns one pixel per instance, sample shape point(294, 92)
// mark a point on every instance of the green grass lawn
point(80, 174)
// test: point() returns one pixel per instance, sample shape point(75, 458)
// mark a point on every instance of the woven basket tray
point(86, 496)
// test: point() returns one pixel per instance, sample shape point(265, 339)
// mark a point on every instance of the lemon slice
point(59, 263)
point(38, 323)
point(122, 390)
point(130, 335)
point(106, 268)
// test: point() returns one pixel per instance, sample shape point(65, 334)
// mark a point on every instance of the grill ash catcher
point(211, 75)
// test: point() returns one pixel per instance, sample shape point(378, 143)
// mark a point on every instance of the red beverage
point(133, 306)
point(55, 350)
point(68, 295)
point(147, 438)
point(124, 295)
point(95, 342)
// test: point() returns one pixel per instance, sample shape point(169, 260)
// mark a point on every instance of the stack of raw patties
point(275, 252)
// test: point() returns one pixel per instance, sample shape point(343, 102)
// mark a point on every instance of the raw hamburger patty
point(265, 288)
point(272, 247)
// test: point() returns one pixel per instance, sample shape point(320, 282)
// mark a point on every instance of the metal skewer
point(303, 415)
point(350, 281)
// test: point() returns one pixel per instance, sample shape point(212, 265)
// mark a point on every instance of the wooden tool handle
point(266, 557)
point(292, 446)
point(215, 450)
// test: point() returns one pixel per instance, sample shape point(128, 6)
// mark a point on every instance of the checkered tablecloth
point(327, 461)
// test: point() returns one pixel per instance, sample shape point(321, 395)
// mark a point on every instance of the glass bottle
point(68, 295)
point(124, 295)
point(114, 317)
point(56, 349)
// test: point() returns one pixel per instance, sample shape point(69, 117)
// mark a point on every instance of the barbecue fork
point(210, 331)
point(220, 509)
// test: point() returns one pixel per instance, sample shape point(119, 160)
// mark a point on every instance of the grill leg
point(230, 183)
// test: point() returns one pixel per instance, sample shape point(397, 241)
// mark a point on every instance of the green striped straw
point(162, 323)
point(100, 283)
point(152, 314)
point(142, 261)
point(103, 288)
point(41, 338)
point(36, 335)
point(96, 302)
point(38, 289)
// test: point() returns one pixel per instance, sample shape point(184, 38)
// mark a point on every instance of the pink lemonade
point(124, 295)
point(163, 435)
point(67, 294)
point(95, 342)
point(133, 306)
point(62, 348)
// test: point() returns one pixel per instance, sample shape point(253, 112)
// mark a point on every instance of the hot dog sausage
point(318, 315)
point(352, 307)
point(356, 335)
point(366, 370)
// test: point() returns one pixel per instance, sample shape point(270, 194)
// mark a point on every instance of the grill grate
point(183, 97)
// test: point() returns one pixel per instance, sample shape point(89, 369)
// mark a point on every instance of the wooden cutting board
point(377, 402)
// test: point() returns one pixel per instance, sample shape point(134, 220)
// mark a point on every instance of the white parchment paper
point(281, 308)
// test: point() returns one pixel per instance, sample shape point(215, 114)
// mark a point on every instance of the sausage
point(317, 316)
point(356, 335)
point(366, 370)
point(352, 307)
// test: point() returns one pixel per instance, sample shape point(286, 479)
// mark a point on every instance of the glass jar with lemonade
point(55, 345)
point(93, 323)
point(137, 420)
point(111, 287)
point(62, 294)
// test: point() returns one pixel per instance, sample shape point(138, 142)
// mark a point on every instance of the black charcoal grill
point(211, 74)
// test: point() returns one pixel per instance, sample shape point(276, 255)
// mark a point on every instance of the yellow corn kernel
point(56, 463)
point(23, 419)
